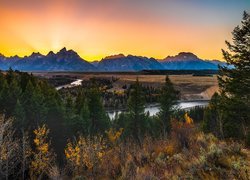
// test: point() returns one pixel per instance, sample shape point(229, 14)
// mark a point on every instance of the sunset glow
point(98, 28)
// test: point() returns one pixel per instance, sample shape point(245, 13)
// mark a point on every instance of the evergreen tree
point(136, 118)
point(168, 100)
point(235, 82)
point(34, 105)
point(85, 118)
point(4, 96)
point(19, 115)
point(1, 80)
point(72, 119)
point(80, 100)
point(10, 75)
point(9, 95)
point(79, 120)
point(212, 121)
point(99, 121)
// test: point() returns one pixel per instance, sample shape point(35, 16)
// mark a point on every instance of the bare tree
point(9, 148)
point(25, 151)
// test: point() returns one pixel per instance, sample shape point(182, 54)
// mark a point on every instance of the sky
point(98, 28)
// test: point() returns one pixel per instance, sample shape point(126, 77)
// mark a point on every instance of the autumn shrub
point(113, 136)
point(84, 155)
point(187, 154)
point(182, 132)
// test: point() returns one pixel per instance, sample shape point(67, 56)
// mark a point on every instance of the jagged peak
point(63, 49)
point(8, 57)
point(117, 56)
point(1, 55)
point(36, 54)
point(70, 52)
point(50, 53)
point(16, 56)
point(182, 56)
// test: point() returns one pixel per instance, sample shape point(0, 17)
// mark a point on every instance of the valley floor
point(191, 87)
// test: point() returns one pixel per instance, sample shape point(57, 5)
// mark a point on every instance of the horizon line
point(125, 54)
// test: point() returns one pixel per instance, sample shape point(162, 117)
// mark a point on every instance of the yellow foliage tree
point(43, 158)
point(84, 155)
point(113, 135)
point(188, 119)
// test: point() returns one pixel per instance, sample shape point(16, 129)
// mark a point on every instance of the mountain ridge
point(64, 60)
point(188, 61)
point(69, 60)
point(128, 63)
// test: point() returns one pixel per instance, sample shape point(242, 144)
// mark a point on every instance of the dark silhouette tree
point(234, 82)
point(99, 120)
point(136, 118)
point(19, 114)
point(168, 100)
point(212, 119)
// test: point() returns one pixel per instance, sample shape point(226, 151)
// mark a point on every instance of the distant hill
point(64, 60)
point(128, 63)
point(188, 61)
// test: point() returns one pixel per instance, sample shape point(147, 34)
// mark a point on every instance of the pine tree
point(136, 118)
point(10, 75)
point(14, 94)
point(4, 96)
point(9, 94)
point(79, 102)
point(34, 104)
point(168, 100)
point(99, 121)
point(85, 118)
point(1, 80)
point(19, 115)
point(235, 82)
point(212, 121)
point(72, 118)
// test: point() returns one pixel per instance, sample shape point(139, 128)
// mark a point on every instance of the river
point(78, 82)
point(154, 108)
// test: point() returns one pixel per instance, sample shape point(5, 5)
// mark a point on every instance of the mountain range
point(189, 61)
point(128, 63)
point(64, 60)
point(69, 60)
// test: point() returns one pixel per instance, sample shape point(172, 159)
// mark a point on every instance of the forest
point(47, 134)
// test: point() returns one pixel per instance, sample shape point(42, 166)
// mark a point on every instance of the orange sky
point(96, 28)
